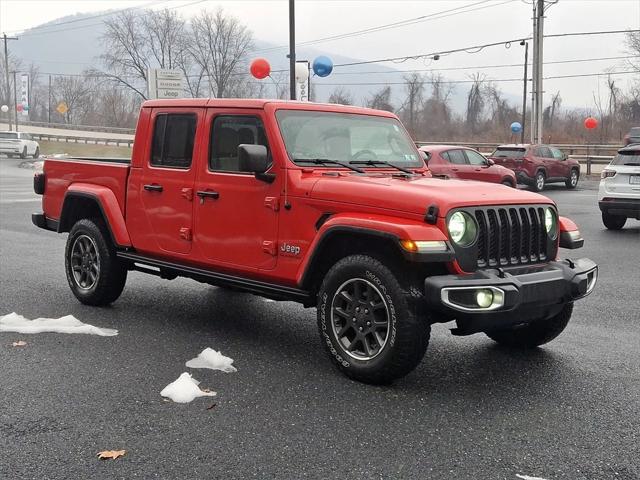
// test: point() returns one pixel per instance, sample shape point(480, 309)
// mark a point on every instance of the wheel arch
point(79, 204)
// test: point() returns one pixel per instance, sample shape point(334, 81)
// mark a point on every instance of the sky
point(483, 22)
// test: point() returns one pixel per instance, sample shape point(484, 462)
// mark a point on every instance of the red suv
point(466, 164)
point(537, 165)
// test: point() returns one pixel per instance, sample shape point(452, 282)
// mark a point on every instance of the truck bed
point(61, 173)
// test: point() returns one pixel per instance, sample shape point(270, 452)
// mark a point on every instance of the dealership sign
point(164, 83)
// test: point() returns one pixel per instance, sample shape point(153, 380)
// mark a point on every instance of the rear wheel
point(369, 323)
point(23, 155)
point(94, 272)
point(508, 183)
point(613, 222)
point(539, 181)
point(36, 154)
point(536, 333)
point(572, 181)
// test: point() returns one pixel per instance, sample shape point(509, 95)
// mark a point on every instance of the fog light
point(484, 298)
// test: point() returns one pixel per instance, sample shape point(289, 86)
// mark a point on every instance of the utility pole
point(534, 76)
point(539, 87)
point(292, 50)
point(49, 103)
point(524, 86)
point(6, 72)
point(15, 98)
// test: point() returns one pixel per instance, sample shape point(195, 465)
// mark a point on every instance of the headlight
point(550, 223)
point(462, 229)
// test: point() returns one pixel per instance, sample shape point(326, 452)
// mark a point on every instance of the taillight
point(608, 173)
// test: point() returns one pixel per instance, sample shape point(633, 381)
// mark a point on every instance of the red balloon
point(19, 107)
point(260, 68)
point(590, 123)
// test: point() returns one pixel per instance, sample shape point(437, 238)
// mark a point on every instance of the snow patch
point(213, 360)
point(185, 389)
point(69, 324)
point(527, 477)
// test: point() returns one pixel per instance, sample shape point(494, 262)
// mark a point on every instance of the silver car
point(20, 144)
point(619, 192)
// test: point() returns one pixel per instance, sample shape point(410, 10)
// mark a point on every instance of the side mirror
point(255, 159)
point(490, 162)
point(425, 156)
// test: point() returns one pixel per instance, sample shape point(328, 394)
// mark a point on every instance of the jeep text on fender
point(327, 205)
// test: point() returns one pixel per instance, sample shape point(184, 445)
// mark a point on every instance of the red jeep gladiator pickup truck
point(327, 205)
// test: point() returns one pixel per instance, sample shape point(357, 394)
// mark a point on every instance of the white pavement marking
point(527, 477)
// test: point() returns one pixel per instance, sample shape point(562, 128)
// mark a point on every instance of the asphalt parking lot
point(471, 410)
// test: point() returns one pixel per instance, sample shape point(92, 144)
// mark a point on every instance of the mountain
point(76, 46)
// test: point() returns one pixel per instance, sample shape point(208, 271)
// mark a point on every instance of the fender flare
point(106, 201)
point(381, 226)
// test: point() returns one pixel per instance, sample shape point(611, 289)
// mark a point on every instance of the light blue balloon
point(516, 127)
point(322, 66)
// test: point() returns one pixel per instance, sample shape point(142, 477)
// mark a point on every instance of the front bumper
point(628, 207)
point(525, 293)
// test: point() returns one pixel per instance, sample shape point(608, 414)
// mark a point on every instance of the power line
point(473, 49)
point(401, 23)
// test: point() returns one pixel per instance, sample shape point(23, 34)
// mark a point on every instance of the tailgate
point(510, 157)
point(61, 173)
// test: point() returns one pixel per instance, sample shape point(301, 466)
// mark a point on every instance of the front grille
point(511, 236)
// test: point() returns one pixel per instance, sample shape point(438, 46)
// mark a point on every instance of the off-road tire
point(112, 272)
point(572, 182)
point(23, 154)
point(536, 333)
point(36, 154)
point(539, 181)
point(613, 222)
point(408, 333)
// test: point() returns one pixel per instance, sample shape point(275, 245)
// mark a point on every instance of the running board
point(169, 269)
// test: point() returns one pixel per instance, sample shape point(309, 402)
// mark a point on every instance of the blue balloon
point(516, 127)
point(322, 66)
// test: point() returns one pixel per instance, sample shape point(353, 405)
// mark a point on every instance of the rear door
point(544, 158)
point(459, 165)
point(163, 188)
point(236, 222)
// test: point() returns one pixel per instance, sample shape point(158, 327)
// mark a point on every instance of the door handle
point(204, 194)
point(153, 188)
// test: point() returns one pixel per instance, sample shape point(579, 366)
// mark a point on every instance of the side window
point(543, 152)
point(25, 136)
point(475, 158)
point(557, 154)
point(227, 132)
point(445, 156)
point(173, 138)
point(457, 157)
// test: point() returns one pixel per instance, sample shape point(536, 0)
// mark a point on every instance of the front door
point(164, 186)
point(236, 222)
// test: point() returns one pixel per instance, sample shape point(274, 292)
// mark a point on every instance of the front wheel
point(536, 333)
point(23, 155)
point(36, 154)
point(368, 323)
point(572, 181)
point(94, 272)
point(613, 222)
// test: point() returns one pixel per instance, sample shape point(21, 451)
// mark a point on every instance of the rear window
point(173, 139)
point(631, 157)
point(501, 152)
point(635, 131)
point(8, 135)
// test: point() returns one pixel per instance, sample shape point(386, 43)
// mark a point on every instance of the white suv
point(619, 193)
point(18, 143)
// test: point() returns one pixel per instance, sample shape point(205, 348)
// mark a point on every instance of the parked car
point(633, 136)
point(537, 165)
point(466, 164)
point(327, 205)
point(619, 192)
point(19, 143)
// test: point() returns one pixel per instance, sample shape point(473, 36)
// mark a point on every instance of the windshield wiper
point(382, 162)
point(323, 161)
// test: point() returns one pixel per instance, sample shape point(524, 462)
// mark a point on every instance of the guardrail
point(89, 128)
point(88, 140)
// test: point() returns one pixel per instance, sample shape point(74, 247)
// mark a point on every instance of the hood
point(414, 195)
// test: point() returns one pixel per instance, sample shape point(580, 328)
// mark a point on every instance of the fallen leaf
point(205, 390)
point(113, 454)
point(211, 406)
point(19, 343)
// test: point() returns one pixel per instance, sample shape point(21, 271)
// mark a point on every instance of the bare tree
point(381, 100)
point(220, 45)
point(76, 92)
point(414, 86)
point(632, 41)
point(341, 96)
point(475, 102)
point(15, 64)
point(550, 113)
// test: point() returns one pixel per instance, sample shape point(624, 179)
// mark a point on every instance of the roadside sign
point(24, 91)
point(164, 83)
point(62, 108)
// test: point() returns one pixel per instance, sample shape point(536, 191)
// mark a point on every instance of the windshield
point(627, 158)
point(346, 138)
point(509, 152)
point(8, 135)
